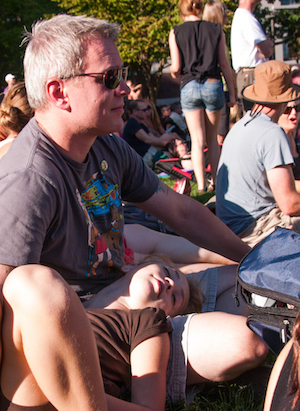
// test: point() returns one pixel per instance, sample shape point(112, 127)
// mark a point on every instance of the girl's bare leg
point(221, 347)
point(212, 121)
point(196, 125)
point(49, 347)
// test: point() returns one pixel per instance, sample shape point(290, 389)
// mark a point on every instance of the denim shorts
point(207, 94)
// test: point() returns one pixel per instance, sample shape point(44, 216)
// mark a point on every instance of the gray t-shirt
point(251, 148)
point(68, 215)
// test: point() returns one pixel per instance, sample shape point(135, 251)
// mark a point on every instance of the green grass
point(203, 198)
point(224, 397)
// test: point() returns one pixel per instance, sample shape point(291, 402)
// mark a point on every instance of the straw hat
point(273, 84)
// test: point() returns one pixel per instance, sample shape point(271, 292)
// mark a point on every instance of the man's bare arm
point(192, 220)
point(282, 184)
point(153, 140)
point(266, 47)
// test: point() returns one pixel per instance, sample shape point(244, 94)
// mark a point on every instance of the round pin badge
point(104, 165)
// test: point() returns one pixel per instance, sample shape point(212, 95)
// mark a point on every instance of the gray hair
point(56, 48)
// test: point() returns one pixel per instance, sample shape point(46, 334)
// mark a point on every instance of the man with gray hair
point(69, 182)
point(61, 185)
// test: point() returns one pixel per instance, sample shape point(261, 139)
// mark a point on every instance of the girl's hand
point(232, 100)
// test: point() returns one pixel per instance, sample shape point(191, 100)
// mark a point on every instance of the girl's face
point(160, 286)
point(290, 117)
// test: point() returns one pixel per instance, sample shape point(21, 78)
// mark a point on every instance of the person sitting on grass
point(255, 185)
point(289, 120)
point(51, 350)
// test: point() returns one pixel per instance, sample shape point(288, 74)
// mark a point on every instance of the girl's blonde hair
point(154, 114)
point(215, 11)
point(197, 297)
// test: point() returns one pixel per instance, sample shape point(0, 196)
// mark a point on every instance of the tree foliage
point(283, 26)
point(14, 16)
point(145, 27)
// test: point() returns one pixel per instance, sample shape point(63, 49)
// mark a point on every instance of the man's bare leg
point(221, 347)
point(49, 347)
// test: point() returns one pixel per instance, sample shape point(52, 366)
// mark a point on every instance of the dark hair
point(175, 105)
point(190, 7)
point(133, 105)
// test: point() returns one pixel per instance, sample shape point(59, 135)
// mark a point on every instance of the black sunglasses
point(144, 109)
point(289, 109)
point(111, 78)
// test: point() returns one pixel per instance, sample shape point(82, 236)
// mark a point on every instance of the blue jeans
point(208, 94)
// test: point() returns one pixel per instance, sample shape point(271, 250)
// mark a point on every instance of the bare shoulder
point(279, 363)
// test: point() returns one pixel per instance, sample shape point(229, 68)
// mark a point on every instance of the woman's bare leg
point(212, 121)
point(196, 125)
point(49, 347)
point(221, 347)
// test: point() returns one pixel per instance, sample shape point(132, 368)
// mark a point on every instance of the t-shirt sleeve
point(147, 323)
point(26, 214)
point(132, 126)
point(276, 150)
point(254, 30)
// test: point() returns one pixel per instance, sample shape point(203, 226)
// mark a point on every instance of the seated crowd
point(93, 307)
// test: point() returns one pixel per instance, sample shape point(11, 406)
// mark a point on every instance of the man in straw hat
point(255, 184)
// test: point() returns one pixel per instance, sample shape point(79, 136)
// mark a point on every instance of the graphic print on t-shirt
point(101, 202)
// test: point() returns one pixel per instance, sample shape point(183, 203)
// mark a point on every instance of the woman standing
point(197, 51)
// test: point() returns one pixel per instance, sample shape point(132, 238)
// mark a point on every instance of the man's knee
point(35, 287)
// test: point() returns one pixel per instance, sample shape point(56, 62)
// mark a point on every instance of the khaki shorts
point(266, 224)
point(244, 78)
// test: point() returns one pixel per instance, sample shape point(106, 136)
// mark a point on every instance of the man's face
point(142, 111)
point(97, 109)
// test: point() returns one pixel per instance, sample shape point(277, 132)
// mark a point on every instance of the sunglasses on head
point(289, 109)
point(144, 109)
point(110, 78)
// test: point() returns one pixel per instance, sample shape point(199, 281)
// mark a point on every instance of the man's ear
point(57, 93)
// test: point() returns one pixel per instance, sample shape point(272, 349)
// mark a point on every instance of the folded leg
point(49, 350)
point(221, 347)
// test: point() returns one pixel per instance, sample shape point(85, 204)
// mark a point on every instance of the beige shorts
point(244, 78)
point(266, 224)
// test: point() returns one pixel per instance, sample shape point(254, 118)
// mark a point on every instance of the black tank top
point(198, 46)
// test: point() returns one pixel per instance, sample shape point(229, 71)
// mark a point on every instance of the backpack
point(269, 280)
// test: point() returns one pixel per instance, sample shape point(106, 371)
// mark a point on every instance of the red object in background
point(182, 186)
